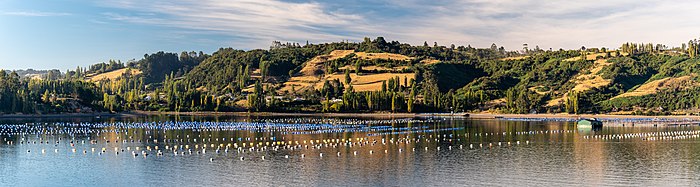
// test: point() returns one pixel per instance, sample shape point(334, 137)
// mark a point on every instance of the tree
point(347, 77)
point(393, 103)
point(46, 97)
point(409, 103)
point(384, 89)
point(256, 100)
point(264, 65)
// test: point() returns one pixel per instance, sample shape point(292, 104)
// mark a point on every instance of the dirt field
point(112, 74)
point(661, 84)
point(368, 82)
point(430, 61)
point(372, 68)
point(313, 66)
point(591, 79)
point(587, 80)
point(311, 74)
point(515, 58)
point(388, 56)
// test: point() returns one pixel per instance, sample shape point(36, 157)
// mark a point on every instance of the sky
point(64, 34)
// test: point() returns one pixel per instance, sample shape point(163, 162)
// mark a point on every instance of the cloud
point(555, 24)
point(549, 24)
point(35, 14)
point(256, 21)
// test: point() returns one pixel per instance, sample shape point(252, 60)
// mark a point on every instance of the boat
point(592, 122)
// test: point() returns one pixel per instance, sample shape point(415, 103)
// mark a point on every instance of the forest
point(373, 75)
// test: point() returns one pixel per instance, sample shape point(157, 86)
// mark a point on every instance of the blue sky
point(64, 34)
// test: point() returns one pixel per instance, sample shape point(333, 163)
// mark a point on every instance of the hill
point(378, 75)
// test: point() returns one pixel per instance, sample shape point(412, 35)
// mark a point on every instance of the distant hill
point(36, 74)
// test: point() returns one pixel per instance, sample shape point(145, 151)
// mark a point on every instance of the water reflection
point(394, 152)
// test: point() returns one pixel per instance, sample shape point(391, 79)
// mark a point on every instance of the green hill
point(377, 75)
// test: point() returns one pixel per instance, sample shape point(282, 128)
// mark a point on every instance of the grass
point(591, 79)
point(587, 80)
point(368, 82)
point(372, 68)
point(365, 82)
point(429, 61)
point(655, 86)
point(536, 89)
point(386, 56)
point(515, 58)
point(299, 83)
point(311, 75)
point(315, 65)
point(112, 74)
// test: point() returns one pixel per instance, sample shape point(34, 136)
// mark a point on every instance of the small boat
point(590, 123)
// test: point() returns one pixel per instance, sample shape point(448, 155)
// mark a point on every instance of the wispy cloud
point(35, 13)
point(257, 21)
point(553, 23)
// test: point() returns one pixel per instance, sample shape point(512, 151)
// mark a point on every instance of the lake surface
point(344, 152)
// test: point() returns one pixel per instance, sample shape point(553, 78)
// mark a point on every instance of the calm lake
point(231, 151)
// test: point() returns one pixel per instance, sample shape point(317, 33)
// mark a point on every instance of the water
point(548, 154)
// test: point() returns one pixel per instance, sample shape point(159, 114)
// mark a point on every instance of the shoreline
point(68, 115)
point(576, 116)
point(378, 115)
point(263, 114)
point(470, 115)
